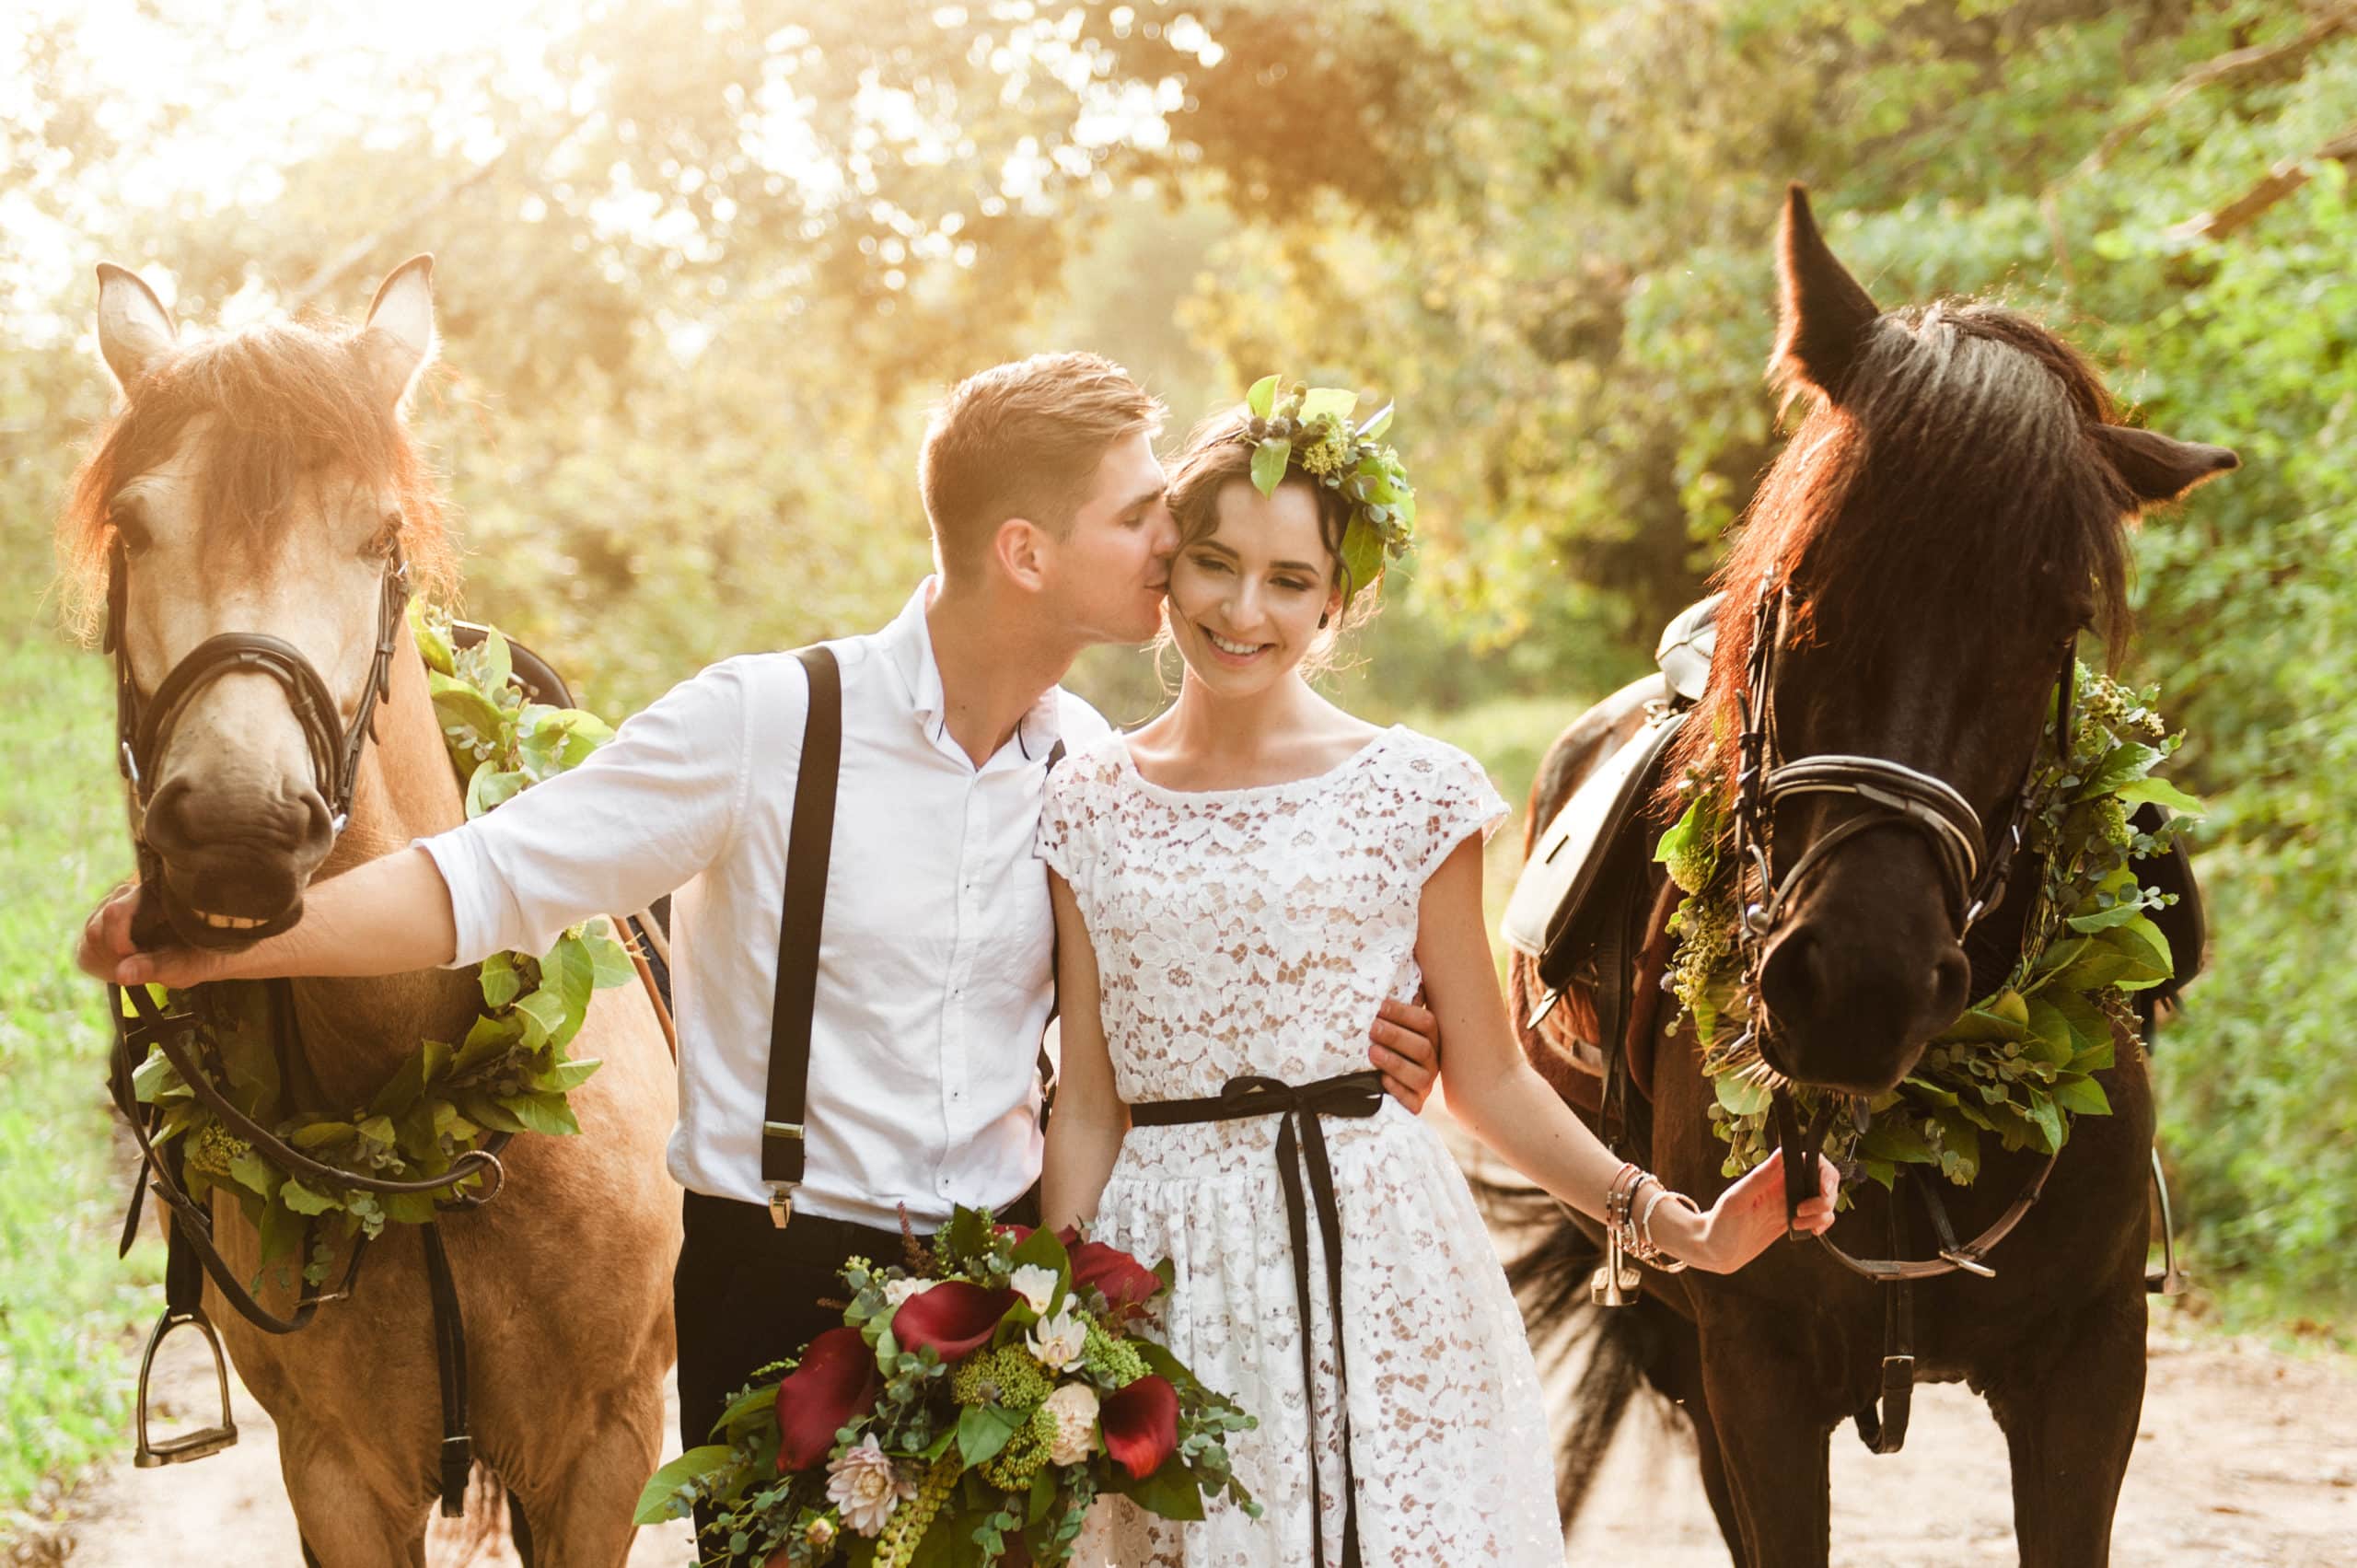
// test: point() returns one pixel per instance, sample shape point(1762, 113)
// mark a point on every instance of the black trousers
point(747, 1294)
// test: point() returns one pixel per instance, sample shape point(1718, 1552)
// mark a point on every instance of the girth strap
point(1301, 1133)
point(458, 1450)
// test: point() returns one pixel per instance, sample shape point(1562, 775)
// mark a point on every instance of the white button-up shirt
point(934, 977)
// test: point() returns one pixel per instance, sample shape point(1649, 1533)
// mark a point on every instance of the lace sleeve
point(1067, 834)
point(1458, 801)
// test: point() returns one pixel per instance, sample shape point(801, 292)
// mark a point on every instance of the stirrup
point(2171, 1279)
point(203, 1441)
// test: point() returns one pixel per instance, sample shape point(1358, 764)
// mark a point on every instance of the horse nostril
point(1951, 981)
point(1791, 978)
point(320, 825)
point(167, 826)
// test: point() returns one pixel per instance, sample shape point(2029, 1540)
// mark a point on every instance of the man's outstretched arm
point(647, 812)
point(389, 916)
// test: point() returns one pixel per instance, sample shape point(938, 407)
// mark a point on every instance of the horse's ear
point(135, 329)
point(1823, 313)
point(399, 337)
point(2160, 468)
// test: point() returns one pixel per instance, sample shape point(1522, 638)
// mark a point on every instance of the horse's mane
point(1951, 479)
point(287, 401)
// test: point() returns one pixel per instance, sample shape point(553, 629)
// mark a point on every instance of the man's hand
point(1407, 1050)
point(389, 916)
point(108, 952)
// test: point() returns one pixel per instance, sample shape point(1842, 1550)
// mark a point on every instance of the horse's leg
point(350, 1515)
point(2069, 1410)
point(1760, 1392)
point(581, 1514)
point(1679, 1376)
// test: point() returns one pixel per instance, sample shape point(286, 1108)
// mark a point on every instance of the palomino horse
point(1948, 518)
point(265, 483)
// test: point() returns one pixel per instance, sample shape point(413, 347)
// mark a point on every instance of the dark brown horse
point(1949, 517)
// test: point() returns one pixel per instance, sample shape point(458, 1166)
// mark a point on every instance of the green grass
point(69, 1311)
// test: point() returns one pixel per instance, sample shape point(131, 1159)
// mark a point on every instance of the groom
point(934, 981)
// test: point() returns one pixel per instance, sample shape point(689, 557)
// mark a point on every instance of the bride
point(1237, 885)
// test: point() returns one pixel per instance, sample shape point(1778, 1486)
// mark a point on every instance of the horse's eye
point(132, 529)
point(388, 534)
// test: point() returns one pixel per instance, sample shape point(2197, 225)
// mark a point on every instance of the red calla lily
point(1124, 1279)
point(956, 1318)
point(1141, 1424)
point(835, 1383)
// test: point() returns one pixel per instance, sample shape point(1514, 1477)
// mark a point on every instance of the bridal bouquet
point(976, 1400)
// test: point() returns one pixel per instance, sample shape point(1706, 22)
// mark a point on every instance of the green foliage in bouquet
point(2021, 1061)
point(977, 1398)
point(509, 1074)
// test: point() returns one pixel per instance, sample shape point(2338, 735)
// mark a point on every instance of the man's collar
point(907, 646)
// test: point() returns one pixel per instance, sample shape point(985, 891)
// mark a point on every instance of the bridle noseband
point(1974, 863)
point(143, 726)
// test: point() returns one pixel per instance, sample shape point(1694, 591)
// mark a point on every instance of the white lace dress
point(1254, 932)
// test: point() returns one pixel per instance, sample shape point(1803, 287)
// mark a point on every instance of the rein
point(1975, 863)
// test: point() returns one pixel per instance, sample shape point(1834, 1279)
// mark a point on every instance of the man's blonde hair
point(1024, 440)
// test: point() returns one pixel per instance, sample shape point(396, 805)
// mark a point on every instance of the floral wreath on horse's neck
point(2021, 1060)
point(1310, 427)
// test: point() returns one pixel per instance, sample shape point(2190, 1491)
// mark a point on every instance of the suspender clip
point(782, 1192)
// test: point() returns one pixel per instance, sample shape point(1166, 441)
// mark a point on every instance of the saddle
point(1572, 909)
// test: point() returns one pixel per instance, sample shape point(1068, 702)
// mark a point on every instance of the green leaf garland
point(510, 1073)
point(2019, 1063)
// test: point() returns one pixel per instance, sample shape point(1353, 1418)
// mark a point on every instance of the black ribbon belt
point(1356, 1095)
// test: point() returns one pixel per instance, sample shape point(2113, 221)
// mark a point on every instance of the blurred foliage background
point(701, 265)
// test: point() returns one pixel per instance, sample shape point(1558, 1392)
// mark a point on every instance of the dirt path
point(232, 1507)
point(2244, 1457)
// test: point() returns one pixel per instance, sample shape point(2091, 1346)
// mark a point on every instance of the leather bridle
point(1975, 864)
point(144, 726)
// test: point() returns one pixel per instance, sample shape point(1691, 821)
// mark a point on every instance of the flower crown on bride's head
point(1311, 426)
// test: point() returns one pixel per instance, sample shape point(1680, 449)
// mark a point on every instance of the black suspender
point(808, 844)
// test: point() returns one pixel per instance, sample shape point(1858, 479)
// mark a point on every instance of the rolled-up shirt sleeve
point(648, 811)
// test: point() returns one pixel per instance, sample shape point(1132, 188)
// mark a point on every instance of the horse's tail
point(492, 1531)
point(1549, 1277)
